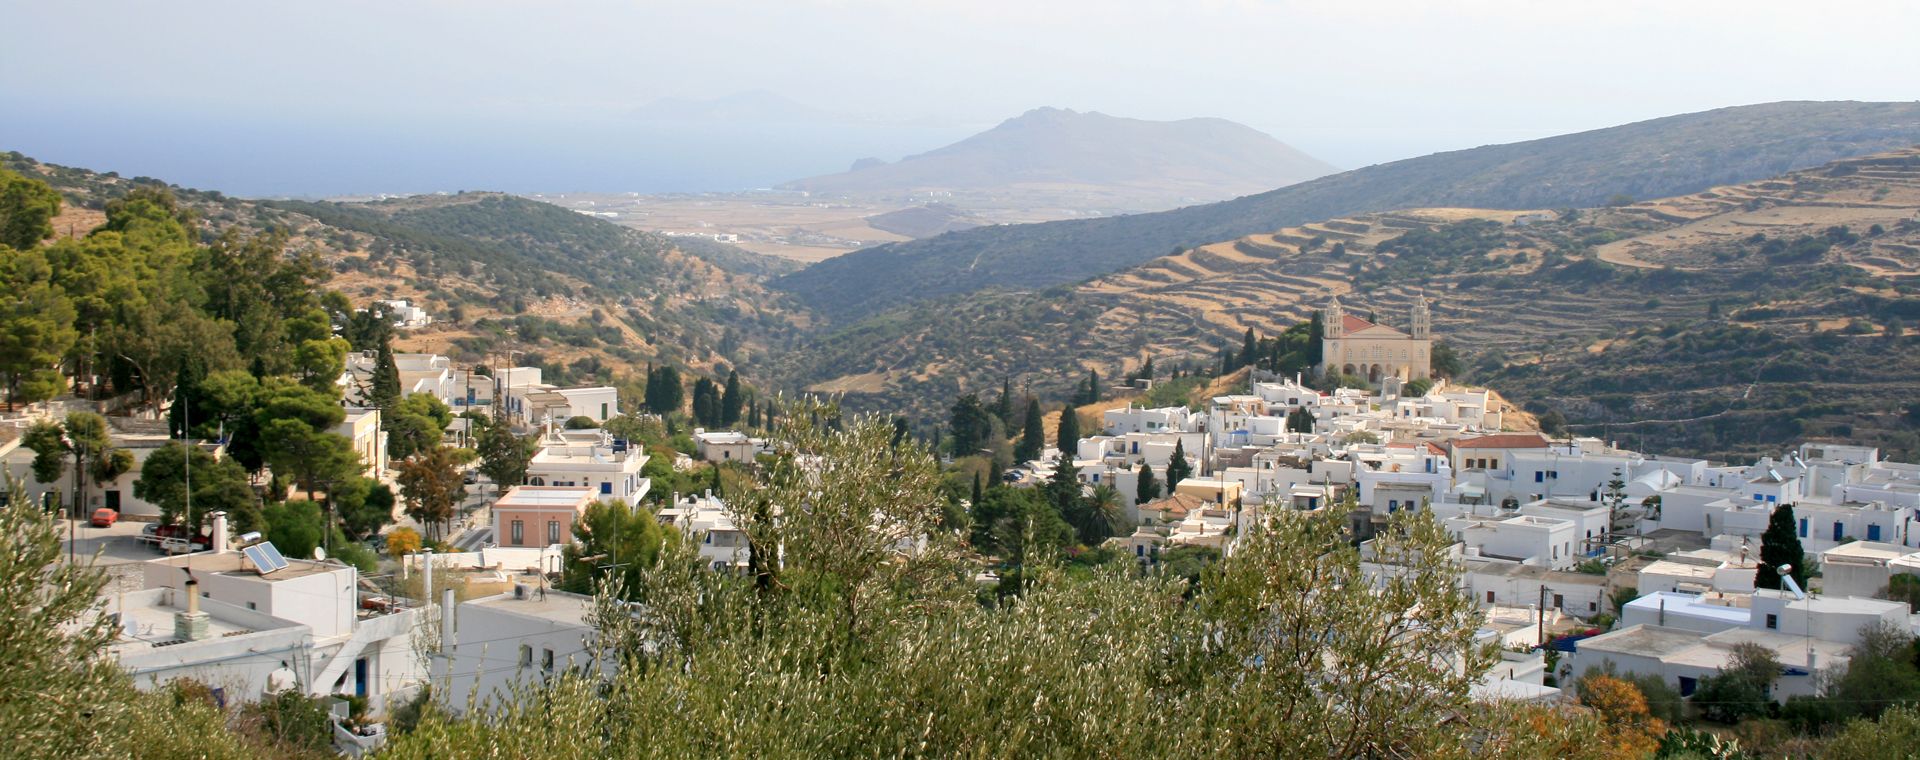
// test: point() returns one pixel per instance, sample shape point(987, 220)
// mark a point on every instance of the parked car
point(176, 546)
point(104, 517)
point(160, 535)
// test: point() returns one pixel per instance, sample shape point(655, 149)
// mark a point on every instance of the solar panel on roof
point(273, 553)
point(265, 558)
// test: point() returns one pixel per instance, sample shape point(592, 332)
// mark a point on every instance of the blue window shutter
point(1803, 527)
point(1873, 533)
point(607, 487)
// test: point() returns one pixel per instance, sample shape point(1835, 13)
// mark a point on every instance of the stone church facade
point(1354, 346)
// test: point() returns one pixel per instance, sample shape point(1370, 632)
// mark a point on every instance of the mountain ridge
point(1059, 150)
point(1662, 157)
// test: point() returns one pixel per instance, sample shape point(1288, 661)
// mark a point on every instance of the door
point(360, 677)
point(113, 500)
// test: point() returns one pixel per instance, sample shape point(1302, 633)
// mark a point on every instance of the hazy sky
point(350, 96)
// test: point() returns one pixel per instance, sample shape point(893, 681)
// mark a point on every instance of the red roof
point(1503, 441)
point(1351, 323)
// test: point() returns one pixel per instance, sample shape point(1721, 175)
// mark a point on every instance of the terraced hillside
point(1652, 159)
point(1815, 255)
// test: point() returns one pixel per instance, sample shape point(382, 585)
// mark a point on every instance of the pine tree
point(1177, 467)
point(1780, 545)
point(1033, 434)
point(187, 398)
point(1067, 437)
point(1148, 488)
point(732, 401)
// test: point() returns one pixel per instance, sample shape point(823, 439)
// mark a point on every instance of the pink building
point(539, 516)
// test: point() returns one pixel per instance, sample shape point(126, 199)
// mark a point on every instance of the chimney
point(220, 540)
point(192, 624)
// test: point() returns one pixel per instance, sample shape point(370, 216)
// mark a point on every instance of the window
point(1593, 606)
point(553, 532)
point(603, 411)
point(526, 656)
point(607, 487)
point(1838, 530)
point(1773, 622)
point(1489, 597)
point(1687, 685)
point(519, 533)
point(546, 659)
point(1559, 602)
point(1803, 527)
point(1539, 476)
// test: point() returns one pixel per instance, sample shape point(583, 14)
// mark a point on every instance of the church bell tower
point(1334, 327)
point(1422, 319)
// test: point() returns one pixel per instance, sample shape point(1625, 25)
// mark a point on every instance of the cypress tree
point(1780, 545)
point(1093, 389)
point(1068, 435)
point(1316, 331)
point(385, 390)
point(732, 401)
point(1003, 408)
point(187, 397)
point(979, 493)
point(1149, 487)
point(1249, 348)
point(1300, 420)
point(1033, 434)
point(1177, 467)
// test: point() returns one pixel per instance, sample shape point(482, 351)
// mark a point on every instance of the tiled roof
point(1352, 323)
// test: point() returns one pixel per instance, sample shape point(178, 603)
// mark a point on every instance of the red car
point(104, 517)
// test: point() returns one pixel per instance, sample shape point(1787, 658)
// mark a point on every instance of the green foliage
point(504, 456)
point(1897, 731)
point(363, 505)
point(1780, 545)
point(1146, 487)
point(219, 485)
point(432, 487)
point(295, 527)
point(1178, 468)
point(1033, 435)
point(27, 208)
point(969, 427)
point(295, 721)
point(1739, 690)
point(1067, 435)
point(611, 539)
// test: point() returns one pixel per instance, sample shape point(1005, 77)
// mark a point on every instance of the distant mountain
point(1055, 151)
point(1662, 157)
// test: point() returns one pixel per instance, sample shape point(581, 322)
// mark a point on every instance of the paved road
point(114, 545)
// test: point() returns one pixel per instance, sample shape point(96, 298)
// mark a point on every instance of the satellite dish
point(320, 553)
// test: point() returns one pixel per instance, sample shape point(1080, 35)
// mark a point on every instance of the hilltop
point(1655, 310)
point(582, 295)
point(1663, 157)
point(1090, 160)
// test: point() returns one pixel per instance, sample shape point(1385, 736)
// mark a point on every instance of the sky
point(353, 96)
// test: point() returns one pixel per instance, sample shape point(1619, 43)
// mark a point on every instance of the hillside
point(1050, 154)
point(582, 296)
point(1648, 311)
point(1664, 157)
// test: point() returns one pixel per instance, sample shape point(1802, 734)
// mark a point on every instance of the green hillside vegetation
point(586, 298)
point(1651, 159)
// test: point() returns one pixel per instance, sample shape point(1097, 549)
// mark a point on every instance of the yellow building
point(1357, 347)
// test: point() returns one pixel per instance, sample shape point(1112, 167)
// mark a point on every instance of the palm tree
point(1105, 510)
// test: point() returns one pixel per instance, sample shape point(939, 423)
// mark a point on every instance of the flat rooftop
point(1644, 640)
point(236, 563)
point(554, 606)
point(544, 496)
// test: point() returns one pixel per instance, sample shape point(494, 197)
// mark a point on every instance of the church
point(1354, 346)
